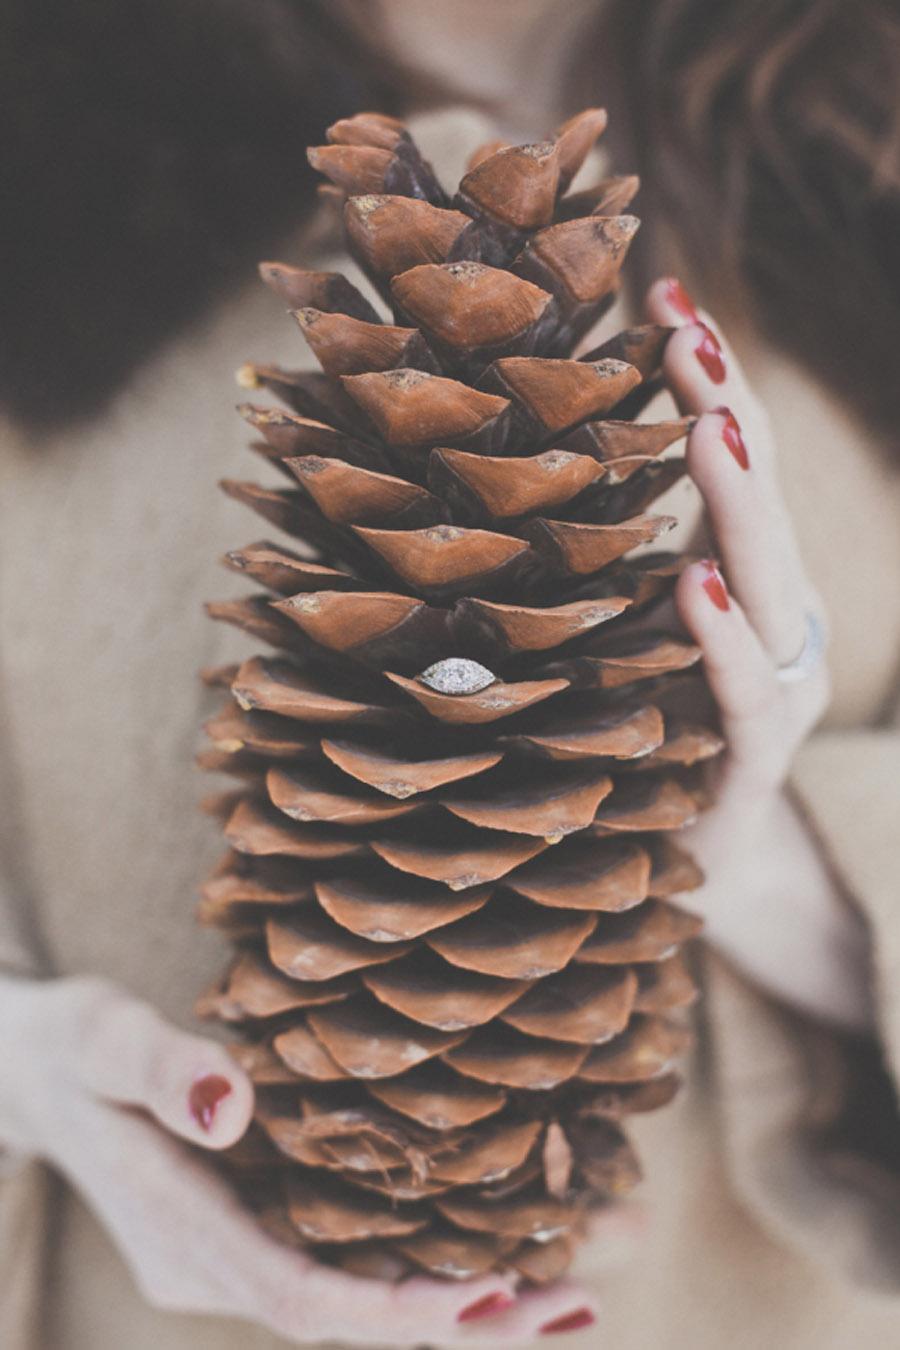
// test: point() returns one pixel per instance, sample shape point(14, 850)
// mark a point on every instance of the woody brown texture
point(457, 965)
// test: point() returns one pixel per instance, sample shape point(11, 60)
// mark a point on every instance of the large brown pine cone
point(457, 966)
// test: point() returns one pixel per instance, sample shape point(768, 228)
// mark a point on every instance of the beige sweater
point(108, 541)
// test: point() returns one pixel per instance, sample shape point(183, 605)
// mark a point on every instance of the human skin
point(96, 1083)
point(770, 903)
point(101, 1087)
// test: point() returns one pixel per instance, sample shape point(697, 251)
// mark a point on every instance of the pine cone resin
point(457, 966)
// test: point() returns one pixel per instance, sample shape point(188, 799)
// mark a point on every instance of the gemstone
point(457, 675)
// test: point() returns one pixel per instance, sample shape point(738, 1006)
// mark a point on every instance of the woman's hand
point(770, 903)
point(99, 1085)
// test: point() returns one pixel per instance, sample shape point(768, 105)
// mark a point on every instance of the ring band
point(810, 655)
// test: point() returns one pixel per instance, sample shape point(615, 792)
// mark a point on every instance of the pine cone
point(457, 966)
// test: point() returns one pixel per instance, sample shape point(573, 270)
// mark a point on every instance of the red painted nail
point(715, 586)
point(731, 435)
point(204, 1098)
point(571, 1322)
point(709, 354)
point(487, 1306)
point(679, 299)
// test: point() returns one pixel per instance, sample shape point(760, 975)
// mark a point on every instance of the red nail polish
point(571, 1322)
point(204, 1098)
point(731, 435)
point(709, 354)
point(486, 1307)
point(679, 299)
point(715, 586)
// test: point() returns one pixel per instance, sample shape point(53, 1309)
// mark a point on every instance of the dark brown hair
point(153, 150)
point(158, 149)
point(769, 138)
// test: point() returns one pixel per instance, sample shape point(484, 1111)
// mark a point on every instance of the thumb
point(126, 1053)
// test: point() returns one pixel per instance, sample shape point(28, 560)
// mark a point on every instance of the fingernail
point(571, 1322)
point(486, 1307)
point(204, 1099)
point(709, 354)
point(715, 586)
point(731, 435)
point(679, 299)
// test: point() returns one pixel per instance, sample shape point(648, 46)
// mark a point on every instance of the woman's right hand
point(95, 1082)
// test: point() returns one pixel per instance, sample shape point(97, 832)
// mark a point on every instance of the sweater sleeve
point(809, 1118)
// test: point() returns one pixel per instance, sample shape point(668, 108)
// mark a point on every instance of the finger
point(559, 1309)
point(485, 1312)
point(438, 1313)
point(709, 374)
point(189, 1242)
point(421, 1311)
point(193, 1248)
point(754, 534)
point(731, 457)
point(124, 1052)
point(739, 673)
point(331, 1304)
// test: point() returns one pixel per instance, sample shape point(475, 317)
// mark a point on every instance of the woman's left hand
point(769, 902)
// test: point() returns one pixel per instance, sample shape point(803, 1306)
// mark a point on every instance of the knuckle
point(138, 1022)
point(756, 703)
point(85, 1002)
point(756, 417)
point(88, 994)
point(162, 1060)
point(756, 735)
point(156, 1077)
point(104, 1019)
